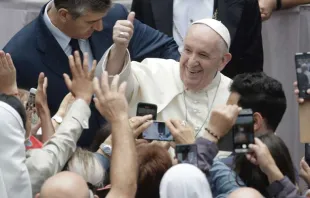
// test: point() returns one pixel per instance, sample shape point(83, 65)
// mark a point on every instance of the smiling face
point(202, 57)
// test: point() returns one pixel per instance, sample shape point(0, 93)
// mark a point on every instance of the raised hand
point(181, 132)
point(110, 101)
point(8, 83)
point(139, 124)
point(41, 96)
point(266, 8)
point(123, 31)
point(222, 119)
point(81, 84)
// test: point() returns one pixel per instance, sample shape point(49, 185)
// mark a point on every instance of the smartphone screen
point(147, 109)
point(307, 153)
point(302, 62)
point(30, 106)
point(243, 131)
point(187, 154)
point(157, 131)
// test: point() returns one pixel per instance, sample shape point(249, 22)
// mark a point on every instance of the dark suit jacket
point(34, 49)
point(241, 17)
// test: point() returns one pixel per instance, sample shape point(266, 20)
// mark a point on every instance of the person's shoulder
point(23, 40)
point(117, 11)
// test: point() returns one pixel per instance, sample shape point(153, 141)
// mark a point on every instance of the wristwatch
point(57, 119)
point(106, 149)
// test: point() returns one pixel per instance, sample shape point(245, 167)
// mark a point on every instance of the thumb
point(131, 17)
point(68, 81)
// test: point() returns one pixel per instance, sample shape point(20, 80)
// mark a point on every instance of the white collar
point(62, 39)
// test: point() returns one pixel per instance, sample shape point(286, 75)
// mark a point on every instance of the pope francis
point(185, 90)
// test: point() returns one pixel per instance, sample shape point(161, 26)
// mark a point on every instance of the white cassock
point(158, 81)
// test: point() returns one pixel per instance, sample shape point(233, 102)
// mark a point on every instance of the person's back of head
point(245, 192)
point(153, 162)
point(262, 94)
point(185, 180)
point(65, 184)
point(251, 174)
point(16, 104)
point(85, 164)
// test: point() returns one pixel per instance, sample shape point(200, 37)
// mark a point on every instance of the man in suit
point(241, 17)
point(86, 25)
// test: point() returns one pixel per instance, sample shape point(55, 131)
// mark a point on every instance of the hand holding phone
point(30, 106)
point(307, 153)
point(157, 131)
point(243, 131)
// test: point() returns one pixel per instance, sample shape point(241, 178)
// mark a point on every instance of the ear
point(37, 195)
point(225, 60)
point(258, 121)
point(64, 15)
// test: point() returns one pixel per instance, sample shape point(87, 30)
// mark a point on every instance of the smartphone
point(307, 153)
point(157, 131)
point(30, 106)
point(186, 153)
point(302, 63)
point(147, 109)
point(243, 131)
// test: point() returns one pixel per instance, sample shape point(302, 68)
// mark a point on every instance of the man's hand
point(296, 92)
point(65, 105)
point(110, 100)
point(261, 156)
point(222, 119)
point(8, 83)
point(81, 84)
point(139, 124)
point(123, 31)
point(181, 132)
point(266, 8)
point(41, 97)
point(304, 171)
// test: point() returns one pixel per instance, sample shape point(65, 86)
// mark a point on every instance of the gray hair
point(85, 164)
point(78, 7)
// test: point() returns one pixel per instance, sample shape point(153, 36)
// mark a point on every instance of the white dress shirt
point(63, 40)
point(185, 12)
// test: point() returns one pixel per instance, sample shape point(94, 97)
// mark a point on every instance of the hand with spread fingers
point(41, 96)
point(8, 83)
point(123, 31)
point(110, 101)
point(81, 84)
point(65, 105)
point(222, 119)
point(140, 124)
point(296, 92)
point(181, 132)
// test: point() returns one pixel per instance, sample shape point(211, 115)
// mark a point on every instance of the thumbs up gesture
point(123, 31)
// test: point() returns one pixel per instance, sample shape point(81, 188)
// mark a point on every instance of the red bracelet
point(210, 132)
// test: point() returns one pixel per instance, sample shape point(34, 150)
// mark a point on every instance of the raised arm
point(112, 104)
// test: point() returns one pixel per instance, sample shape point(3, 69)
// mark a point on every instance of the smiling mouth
point(194, 72)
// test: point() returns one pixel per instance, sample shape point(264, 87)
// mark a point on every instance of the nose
point(192, 61)
point(98, 26)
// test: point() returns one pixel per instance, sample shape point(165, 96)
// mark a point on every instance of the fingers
point(72, 66)
point(67, 81)
point(304, 165)
point(78, 64)
point(3, 61)
point(40, 81)
point(114, 84)
point(45, 84)
point(104, 83)
point(122, 88)
point(251, 158)
point(93, 69)
point(171, 127)
point(10, 62)
point(142, 128)
point(96, 88)
point(85, 63)
point(131, 17)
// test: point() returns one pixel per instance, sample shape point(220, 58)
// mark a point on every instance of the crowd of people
point(71, 81)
